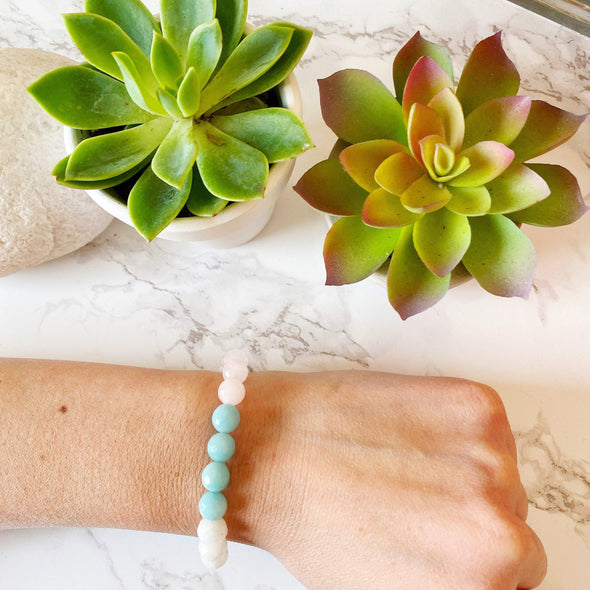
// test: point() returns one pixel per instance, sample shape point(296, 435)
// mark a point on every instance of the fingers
point(534, 563)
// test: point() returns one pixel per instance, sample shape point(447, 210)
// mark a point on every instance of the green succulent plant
point(436, 181)
point(177, 109)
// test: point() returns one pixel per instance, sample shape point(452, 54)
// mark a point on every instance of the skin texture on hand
point(354, 480)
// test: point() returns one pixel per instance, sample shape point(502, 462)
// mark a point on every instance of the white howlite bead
point(235, 356)
point(233, 370)
point(215, 556)
point(231, 392)
point(212, 529)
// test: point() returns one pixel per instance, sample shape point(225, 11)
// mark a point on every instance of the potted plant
point(179, 117)
point(435, 182)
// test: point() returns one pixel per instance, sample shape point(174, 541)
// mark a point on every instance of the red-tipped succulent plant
point(435, 181)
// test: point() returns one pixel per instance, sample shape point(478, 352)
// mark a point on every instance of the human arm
point(347, 477)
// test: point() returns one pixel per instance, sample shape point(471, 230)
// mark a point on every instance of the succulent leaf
point(153, 203)
point(327, 187)
point(231, 15)
point(252, 57)
point(398, 172)
point(353, 251)
point(230, 168)
point(516, 188)
point(181, 17)
point(201, 201)
point(448, 108)
point(363, 159)
point(112, 154)
point(410, 53)
point(382, 209)
point(176, 155)
point(426, 80)
point(469, 200)
point(440, 160)
point(358, 107)
point(425, 195)
point(278, 133)
point(189, 93)
point(165, 63)
point(546, 128)
point(132, 16)
point(441, 239)
point(500, 257)
point(488, 74)
point(500, 119)
point(411, 287)
point(279, 71)
point(563, 206)
point(169, 102)
point(85, 98)
point(98, 38)
point(487, 159)
point(422, 122)
point(141, 94)
point(204, 50)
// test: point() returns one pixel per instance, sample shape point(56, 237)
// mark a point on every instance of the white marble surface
point(179, 306)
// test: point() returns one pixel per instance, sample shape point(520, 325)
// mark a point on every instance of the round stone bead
point(236, 371)
point(212, 530)
point(235, 356)
point(215, 476)
point(226, 418)
point(231, 391)
point(212, 505)
point(213, 555)
point(221, 447)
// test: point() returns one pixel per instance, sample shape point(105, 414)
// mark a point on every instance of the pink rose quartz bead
point(235, 356)
point(231, 392)
point(237, 371)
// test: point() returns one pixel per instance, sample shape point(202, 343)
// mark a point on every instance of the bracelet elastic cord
point(212, 530)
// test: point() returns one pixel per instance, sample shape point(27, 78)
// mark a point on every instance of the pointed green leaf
point(230, 168)
point(140, 93)
point(112, 154)
point(411, 287)
point(84, 98)
point(358, 107)
point(132, 16)
point(278, 133)
point(546, 128)
point(251, 58)
point(280, 70)
point(327, 187)
point(410, 53)
point(169, 102)
point(201, 202)
point(488, 74)
point(153, 203)
point(98, 38)
point(248, 104)
point(398, 172)
point(165, 63)
point(422, 122)
point(441, 238)
point(204, 50)
point(500, 119)
point(517, 188)
point(189, 93)
point(353, 251)
point(563, 206)
point(231, 15)
point(487, 159)
point(60, 176)
point(176, 155)
point(363, 159)
point(426, 80)
point(448, 108)
point(425, 195)
point(382, 209)
point(500, 257)
point(469, 200)
point(181, 17)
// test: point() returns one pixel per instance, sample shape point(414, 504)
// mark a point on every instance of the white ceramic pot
point(236, 224)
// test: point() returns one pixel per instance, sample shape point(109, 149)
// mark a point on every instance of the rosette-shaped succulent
point(437, 180)
point(176, 108)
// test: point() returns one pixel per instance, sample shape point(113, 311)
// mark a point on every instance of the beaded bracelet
point(212, 530)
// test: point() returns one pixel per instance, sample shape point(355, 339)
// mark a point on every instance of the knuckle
point(484, 406)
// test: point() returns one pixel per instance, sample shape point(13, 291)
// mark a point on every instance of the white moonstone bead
point(235, 356)
point(213, 556)
point(234, 370)
point(231, 392)
point(212, 529)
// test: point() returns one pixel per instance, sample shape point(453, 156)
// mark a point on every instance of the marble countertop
point(178, 305)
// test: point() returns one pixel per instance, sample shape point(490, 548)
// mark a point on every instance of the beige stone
point(39, 219)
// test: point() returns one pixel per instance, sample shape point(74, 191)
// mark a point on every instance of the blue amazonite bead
point(221, 447)
point(215, 476)
point(226, 418)
point(212, 505)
